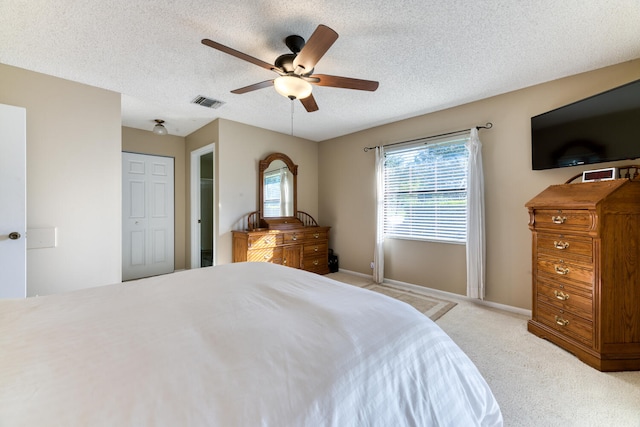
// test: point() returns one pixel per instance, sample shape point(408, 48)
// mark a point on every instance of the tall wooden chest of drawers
point(305, 247)
point(586, 271)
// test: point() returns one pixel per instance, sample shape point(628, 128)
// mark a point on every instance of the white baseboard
point(444, 294)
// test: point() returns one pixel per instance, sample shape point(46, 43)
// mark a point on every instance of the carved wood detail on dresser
point(586, 271)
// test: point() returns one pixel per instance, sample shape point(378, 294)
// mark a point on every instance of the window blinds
point(426, 190)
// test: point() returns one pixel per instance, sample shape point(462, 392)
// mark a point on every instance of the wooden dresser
point(586, 271)
point(278, 232)
point(294, 245)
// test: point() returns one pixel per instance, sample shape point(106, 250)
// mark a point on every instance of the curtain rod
point(487, 126)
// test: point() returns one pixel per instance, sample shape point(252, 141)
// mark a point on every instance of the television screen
point(601, 128)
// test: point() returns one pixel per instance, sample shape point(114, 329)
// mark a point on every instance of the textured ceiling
point(427, 55)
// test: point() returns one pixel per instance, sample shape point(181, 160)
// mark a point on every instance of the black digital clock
point(600, 175)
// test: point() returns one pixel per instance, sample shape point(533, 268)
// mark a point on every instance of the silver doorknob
point(14, 236)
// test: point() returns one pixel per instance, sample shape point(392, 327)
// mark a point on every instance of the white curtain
point(285, 195)
point(475, 220)
point(378, 252)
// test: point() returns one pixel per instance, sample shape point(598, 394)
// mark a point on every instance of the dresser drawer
point(566, 323)
point(317, 264)
point(569, 219)
point(565, 270)
point(292, 236)
point(256, 241)
point(315, 235)
point(561, 245)
point(568, 298)
point(315, 249)
point(273, 255)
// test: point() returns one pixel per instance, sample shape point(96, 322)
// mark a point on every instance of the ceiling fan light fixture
point(292, 87)
point(159, 128)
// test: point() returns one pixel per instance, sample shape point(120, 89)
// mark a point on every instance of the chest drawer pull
point(562, 322)
point(561, 295)
point(561, 245)
point(316, 235)
point(562, 270)
point(294, 237)
point(558, 219)
point(316, 262)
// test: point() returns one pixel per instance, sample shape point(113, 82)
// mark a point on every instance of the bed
point(243, 344)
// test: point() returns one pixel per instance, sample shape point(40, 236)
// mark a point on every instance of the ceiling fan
point(296, 69)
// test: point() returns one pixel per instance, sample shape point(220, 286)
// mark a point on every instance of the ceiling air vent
point(207, 102)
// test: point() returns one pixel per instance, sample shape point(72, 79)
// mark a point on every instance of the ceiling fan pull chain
point(292, 117)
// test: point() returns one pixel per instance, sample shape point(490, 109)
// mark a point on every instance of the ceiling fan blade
point(240, 55)
point(317, 45)
point(344, 82)
point(309, 104)
point(253, 87)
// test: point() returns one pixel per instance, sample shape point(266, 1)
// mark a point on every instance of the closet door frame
point(195, 205)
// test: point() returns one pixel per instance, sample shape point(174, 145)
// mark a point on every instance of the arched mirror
point(278, 186)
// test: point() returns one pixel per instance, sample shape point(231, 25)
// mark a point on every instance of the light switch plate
point(39, 238)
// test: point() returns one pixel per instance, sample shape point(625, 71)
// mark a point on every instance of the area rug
point(430, 306)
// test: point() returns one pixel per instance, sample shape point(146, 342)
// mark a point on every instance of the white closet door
point(147, 215)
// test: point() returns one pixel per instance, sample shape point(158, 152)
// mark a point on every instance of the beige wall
point(74, 143)
point(146, 142)
point(239, 148)
point(204, 136)
point(346, 195)
point(73, 178)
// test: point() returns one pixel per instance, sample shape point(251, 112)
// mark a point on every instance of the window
point(426, 191)
point(272, 193)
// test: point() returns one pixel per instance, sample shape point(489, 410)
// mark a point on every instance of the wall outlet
point(372, 265)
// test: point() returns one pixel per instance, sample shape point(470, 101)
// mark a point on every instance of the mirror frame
point(263, 166)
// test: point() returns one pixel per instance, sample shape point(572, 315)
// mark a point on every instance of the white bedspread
point(249, 344)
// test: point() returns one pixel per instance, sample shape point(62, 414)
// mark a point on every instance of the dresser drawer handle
point(284, 261)
point(562, 270)
point(315, 236)
point(266, 257)
point(561, 245)
point(562, 322)
point(294, 237)
point(316, 262)
point(315, 249)
point(561, 295)
point(268, 241)
point(558, 219)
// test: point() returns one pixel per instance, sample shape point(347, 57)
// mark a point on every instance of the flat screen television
point(602, 128)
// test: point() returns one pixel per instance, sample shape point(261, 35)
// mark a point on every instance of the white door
point(147, 215)
point(13, 160)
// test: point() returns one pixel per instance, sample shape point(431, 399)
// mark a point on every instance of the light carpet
point(535, 382)
point(430, 306)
